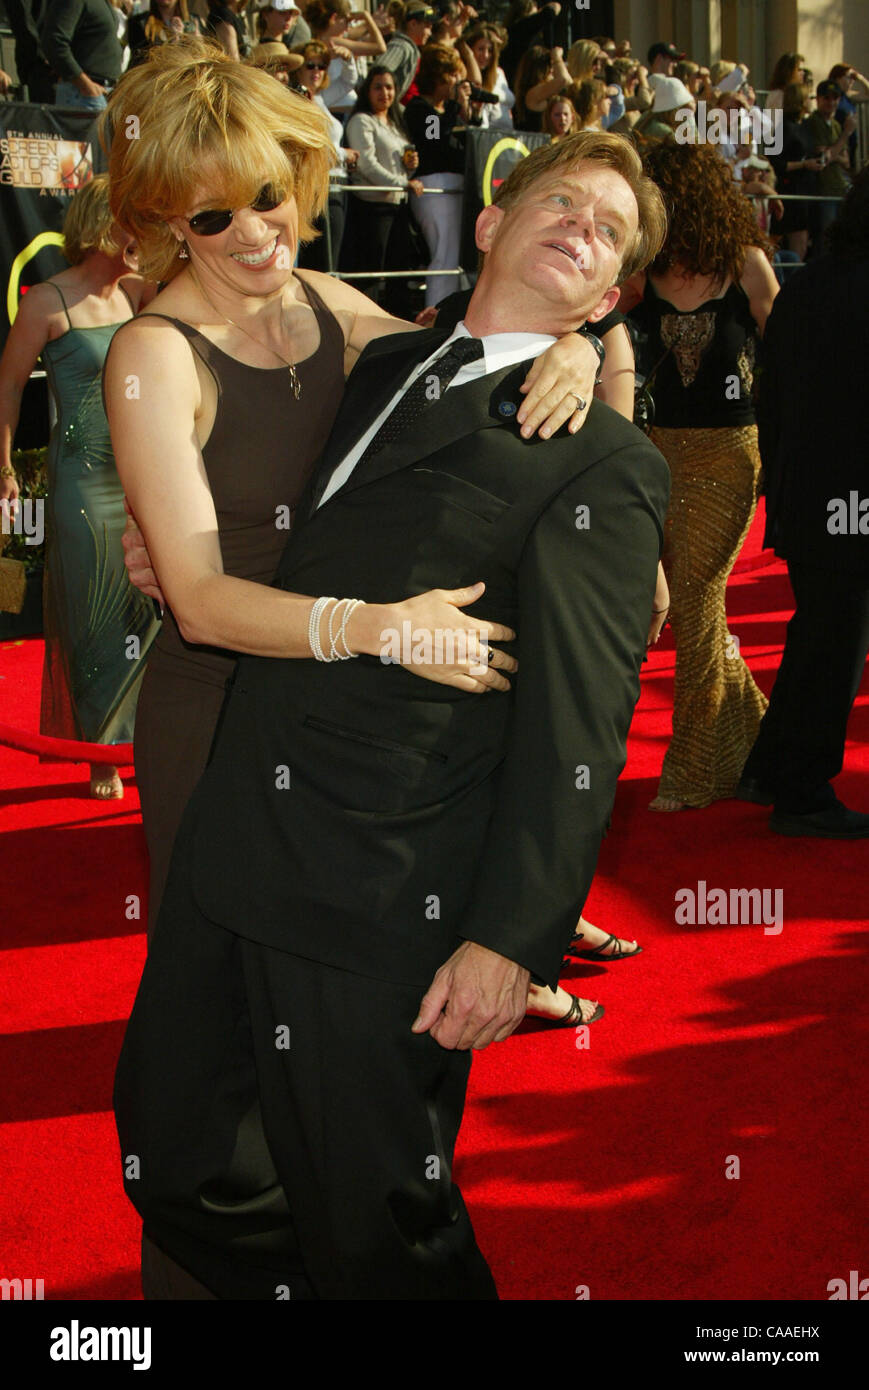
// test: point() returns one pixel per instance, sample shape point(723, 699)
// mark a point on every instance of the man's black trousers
point(283, 1133)
point(801, 743)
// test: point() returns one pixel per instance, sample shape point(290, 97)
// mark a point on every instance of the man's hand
point(476, 997)
point(87, 87)
point(138, 561)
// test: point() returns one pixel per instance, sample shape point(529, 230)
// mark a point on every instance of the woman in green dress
point(98, 628)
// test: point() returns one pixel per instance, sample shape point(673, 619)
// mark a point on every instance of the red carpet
point(603, 1168)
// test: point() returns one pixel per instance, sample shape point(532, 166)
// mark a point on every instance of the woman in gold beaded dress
point(704, 303)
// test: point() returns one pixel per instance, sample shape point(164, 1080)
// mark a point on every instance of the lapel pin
point(507, 409)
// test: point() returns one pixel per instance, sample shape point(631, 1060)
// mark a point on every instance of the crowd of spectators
point(401, 86)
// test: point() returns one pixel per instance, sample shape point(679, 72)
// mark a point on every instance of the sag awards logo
point(44, 162)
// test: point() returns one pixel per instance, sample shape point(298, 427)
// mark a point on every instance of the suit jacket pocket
point(461, 493)
point(363, 771)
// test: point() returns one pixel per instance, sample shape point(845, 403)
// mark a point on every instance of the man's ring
point(580, 403)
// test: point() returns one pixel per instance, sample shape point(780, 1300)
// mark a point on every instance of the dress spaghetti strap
point(62, 300)
point(133, 309)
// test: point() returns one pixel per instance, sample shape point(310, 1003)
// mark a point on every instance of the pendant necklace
point(294, 378)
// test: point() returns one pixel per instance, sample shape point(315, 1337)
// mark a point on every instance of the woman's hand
point(430, 636)
point(351, 158)
point(558, 376)
point(462, 95)
point(660, 608)
point(417, 188)
point(140, 571)
point(9, 492)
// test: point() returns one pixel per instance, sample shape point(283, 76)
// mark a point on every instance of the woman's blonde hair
point(89, 224)
point(191, 118)
point(685, 70)
point(720, 70)
point(155, 30)
point(581, 59)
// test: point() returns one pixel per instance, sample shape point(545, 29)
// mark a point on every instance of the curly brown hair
point(711, 224)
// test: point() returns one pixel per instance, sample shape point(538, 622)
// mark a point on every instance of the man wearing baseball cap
point(402, 51)
point(281, 21)
point(662, 59)
point(830, 143)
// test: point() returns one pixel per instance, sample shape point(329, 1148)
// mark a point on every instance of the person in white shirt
point(331, 21)
point(485, 43)
point(312, 78)
point(378, 234)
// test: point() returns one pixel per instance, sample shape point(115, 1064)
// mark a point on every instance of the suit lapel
point(380, 371)
point(483, 403)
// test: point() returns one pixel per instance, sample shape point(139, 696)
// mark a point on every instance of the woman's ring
point(580, 403)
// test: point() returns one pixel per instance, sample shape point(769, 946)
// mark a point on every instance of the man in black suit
point(362, 840)
point(817, 486)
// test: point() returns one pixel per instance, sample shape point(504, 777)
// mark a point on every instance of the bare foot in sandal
point(593, 944)
point(561, 1007)
point(106, 784)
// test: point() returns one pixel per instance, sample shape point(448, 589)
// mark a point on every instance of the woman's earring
point(183, 253)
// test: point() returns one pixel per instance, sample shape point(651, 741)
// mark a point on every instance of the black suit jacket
point(357, 814)
point(812, 414)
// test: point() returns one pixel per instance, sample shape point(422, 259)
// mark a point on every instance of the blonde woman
point(92, 675)
point(163, 22)
point(583, 60)
point(241, 363)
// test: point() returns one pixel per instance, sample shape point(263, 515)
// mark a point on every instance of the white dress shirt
point(499, 350)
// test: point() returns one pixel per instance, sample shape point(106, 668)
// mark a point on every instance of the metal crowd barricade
point(342, 187)
point(794, 198)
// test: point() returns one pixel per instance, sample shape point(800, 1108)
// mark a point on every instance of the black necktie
point(428, 387)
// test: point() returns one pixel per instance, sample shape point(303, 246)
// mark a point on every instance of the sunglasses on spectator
point(317, 67)
point(216, 220)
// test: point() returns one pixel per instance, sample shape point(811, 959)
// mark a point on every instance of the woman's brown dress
point(258, 457)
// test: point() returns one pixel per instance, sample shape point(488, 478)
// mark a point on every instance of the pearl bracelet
point(314, 627)
point(317, 611)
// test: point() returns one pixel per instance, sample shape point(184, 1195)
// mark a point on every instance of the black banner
point(489, 157)
point(46, 154)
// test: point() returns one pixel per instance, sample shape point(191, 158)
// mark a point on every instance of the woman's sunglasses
point(316, 67)
point(216, 220)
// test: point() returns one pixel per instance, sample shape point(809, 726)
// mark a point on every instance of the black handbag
point(644, 401)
